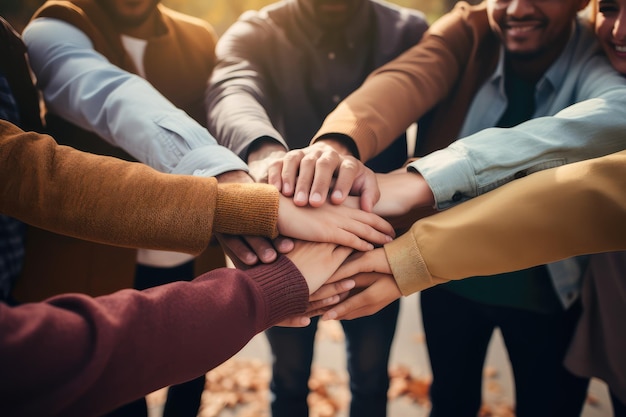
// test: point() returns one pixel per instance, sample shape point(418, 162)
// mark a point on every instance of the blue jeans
point(368, 345)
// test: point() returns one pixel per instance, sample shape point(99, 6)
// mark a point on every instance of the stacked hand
point(363, 284)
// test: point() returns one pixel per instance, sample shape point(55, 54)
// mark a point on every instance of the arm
point(391, 98)
point(592, 127)
point(83, 87)
point(238, 93)
point(130, 204)
point(179, 331)
point(548, 216)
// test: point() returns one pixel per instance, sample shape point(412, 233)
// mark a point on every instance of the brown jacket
point(458, 64)
point(181, 77)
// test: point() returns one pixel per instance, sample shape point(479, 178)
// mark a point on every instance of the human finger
point(321, 177)
point(290, 171)
point(332, 289)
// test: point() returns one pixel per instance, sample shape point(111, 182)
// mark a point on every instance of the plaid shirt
point(11, 230)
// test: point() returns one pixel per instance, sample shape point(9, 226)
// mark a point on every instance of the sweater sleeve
point(122, 203)
point(418, 80)
point(72, 355)
point(554, 214)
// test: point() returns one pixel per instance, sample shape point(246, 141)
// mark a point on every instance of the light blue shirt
point(560, 132)
point(82, 86)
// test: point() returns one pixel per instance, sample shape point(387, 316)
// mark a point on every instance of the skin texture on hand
point(374, 287)
point(317, 262)
point(309, 174)
point(331, 223)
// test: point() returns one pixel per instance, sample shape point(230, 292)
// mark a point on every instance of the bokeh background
point(220, 13)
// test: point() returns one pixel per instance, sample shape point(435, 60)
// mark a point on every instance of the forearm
point(179, 331)
point(127, 204)
point(83, 87)
point(490, 158)
point(402, 91)
point(551, 215)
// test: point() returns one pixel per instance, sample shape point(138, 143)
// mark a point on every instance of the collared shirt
point(338, 60)
point(278, 74)
point(580, 73)
point(580, 90)
point(106, 100)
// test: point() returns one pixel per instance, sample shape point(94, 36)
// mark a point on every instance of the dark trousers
point(368, 345)
point(183, 400)
point(619, 408)
point(458, 332)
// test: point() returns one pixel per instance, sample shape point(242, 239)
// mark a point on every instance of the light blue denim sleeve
point(490, 158)
point(82, 86)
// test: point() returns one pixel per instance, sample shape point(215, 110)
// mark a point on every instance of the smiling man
point(279, 72)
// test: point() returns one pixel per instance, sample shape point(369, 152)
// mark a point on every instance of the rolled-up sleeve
point(82, 86)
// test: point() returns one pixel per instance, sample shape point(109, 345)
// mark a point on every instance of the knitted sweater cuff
point(285, 289)
point(246, 209)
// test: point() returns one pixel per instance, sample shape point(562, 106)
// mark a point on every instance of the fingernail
point(337, 194)
point(316, 197)
point(389, 239)
point(301, 197)
point(348, 285)
point(269, 255)
point(286, 188)
point(330, 315)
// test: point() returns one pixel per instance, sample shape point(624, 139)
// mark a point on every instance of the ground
point(238, 388)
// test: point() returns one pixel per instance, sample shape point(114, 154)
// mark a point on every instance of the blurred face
point(533, 28)
point(129, 13)
point(611, 31)
point(332, 13)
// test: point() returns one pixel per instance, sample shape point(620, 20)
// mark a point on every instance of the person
point(506, 230)
point(92, 344)
point(279, 72)
point(566, 69)
point(97, 62)
point(21, 109)
point(598, 344)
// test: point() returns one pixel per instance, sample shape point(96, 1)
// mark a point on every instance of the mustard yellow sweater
point(571, 210)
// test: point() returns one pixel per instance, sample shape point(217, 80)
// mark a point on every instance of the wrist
point(263, 147)
point(342, 144)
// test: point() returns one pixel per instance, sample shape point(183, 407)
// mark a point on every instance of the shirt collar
point(556, 73)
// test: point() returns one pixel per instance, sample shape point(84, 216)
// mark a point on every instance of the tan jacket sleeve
point(111, 201)
point(402, 91)
point(571, 210)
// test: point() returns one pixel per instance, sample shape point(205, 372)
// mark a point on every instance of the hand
point(333, 224)
point(307, 175)
point(374, 289)
point(263, 153)
point(316, 308)
point(317, 261)
point(246, 251)
point(401, 192)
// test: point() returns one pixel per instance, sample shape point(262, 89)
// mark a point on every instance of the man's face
point(332, 13)
point(611, 31)
point(129, 13)
point(531, 28)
